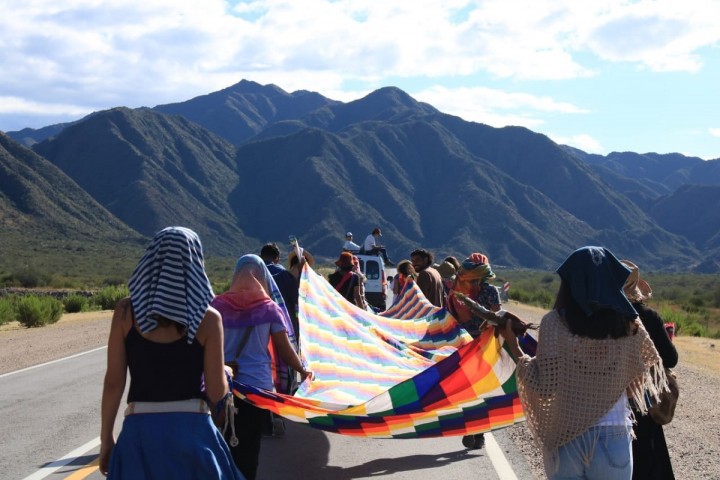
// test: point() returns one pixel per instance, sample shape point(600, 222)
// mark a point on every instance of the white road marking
point(52, 467)
point(51, 362)
point(500, 463)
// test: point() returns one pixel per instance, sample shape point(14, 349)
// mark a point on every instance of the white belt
point(193, 405)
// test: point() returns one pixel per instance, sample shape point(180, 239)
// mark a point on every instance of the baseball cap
point(348, 234)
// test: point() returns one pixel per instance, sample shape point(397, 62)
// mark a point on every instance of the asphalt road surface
point(50, 418)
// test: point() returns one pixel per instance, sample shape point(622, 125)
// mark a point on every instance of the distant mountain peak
point(248, 87)
point(304, 164)
point(392, 97)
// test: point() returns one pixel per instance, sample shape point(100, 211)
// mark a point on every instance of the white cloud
point(662, 35)
point(582, 141)
point(76, 56)
point(493, 107)
point(715, 132)
point(136, 52)
point(186, 42)
point(25, 107)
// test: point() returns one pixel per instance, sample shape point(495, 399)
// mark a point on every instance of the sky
point(599, 75)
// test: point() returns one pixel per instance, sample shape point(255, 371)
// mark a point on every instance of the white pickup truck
point(377, 290)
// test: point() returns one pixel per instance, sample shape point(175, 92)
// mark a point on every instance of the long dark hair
point(165, 322)
point(602, 323)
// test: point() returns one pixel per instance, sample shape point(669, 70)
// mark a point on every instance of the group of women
point(594, 359)
point(175, 337)
point(597, 367)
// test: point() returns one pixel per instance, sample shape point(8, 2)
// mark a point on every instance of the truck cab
point(376, 286)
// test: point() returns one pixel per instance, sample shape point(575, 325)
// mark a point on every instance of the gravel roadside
point(693, 436)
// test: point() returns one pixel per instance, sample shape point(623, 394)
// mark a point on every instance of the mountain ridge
point(298, 163)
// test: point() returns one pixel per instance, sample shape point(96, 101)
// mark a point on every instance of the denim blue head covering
point(170, 282)
point(596, 279)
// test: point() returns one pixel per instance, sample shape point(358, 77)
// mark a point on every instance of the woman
point(346, 281)
point(171, 340)
point(253, 313)
point(651, 459)
point(471, 279)
point(363, 279)
point(592, 354)
point(405, 273)
point(447, 272)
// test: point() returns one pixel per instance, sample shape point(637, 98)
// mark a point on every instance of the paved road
point(48, 411)
point(49, 423)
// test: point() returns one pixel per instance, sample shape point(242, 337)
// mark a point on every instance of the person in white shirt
point(349, 245)
point(371, 247)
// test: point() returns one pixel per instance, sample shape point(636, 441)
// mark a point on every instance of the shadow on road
point(304, 452)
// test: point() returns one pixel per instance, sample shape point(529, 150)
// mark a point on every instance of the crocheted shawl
point(573, 381)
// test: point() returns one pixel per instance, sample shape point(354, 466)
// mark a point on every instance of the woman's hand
point(306, 374)
point(511, 338)
point(105, 452)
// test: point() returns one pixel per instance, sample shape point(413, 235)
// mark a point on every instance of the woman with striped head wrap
point(170, 339)
point(471, 279)
point(255, 322)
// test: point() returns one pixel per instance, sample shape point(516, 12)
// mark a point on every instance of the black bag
point(663, 410)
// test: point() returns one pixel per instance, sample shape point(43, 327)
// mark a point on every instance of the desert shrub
point(694, 304)
point(539, 298)
point(7, 310)
point(693, 329)
point(221, 287)
point(29, 278)
point(113, 282)
point(714, 297)
point(519, 295)
point(108, 297)
point(685, 323)
point(75, 303)
point(34, 311)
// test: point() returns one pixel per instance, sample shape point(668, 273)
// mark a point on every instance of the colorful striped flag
point(394, 375)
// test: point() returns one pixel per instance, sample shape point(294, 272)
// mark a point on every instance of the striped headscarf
point(476, 266)
point(170, 282)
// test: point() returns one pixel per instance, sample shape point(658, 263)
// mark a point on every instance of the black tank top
point(163, 372)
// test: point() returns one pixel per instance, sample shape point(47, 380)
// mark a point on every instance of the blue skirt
point(171, 445)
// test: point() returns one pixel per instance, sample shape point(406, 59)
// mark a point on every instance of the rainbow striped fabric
point(393, 375)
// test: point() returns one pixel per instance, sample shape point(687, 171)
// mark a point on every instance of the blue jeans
point(608, 449)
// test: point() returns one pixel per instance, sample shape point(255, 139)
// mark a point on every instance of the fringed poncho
point(573, 381)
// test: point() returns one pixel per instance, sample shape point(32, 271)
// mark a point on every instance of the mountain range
point(253, 163)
